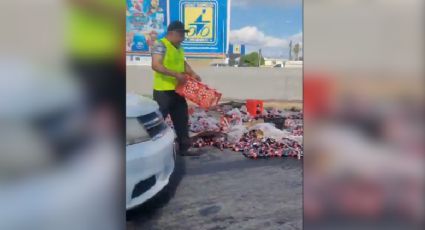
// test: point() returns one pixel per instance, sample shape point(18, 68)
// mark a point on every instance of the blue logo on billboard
point(200, 18)
point(207, 22)
point(200, 27)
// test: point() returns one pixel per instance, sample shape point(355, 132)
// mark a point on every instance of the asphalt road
point(224, 190)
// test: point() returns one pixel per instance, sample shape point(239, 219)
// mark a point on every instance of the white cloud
point(255, 39)
point(251, 35)
point(274, 3)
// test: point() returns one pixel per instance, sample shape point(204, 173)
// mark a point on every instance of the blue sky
point(266, 24)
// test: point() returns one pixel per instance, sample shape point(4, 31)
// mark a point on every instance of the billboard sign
point(146, 21)
point(237, 49)
point(207, 22)
point(201, 20)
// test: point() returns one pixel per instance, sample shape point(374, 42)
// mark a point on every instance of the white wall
point(233, 83)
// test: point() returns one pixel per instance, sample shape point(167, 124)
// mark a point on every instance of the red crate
point(254, 107)
point(199, 93)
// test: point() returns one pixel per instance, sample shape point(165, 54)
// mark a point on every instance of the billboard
point(207, 22)
point(237, 49)
point(146, 21)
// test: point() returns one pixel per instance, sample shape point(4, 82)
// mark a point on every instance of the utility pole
point(259, 58)
point(290, 50)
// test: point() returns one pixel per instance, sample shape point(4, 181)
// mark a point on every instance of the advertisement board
point(207, 22)
point(146, 21)
point(237, 49)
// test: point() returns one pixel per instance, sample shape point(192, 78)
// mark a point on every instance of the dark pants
point(176, 106)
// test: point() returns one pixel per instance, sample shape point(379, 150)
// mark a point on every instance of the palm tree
point(296, 50)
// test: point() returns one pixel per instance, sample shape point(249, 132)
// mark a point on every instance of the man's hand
point(194, 76)
point(181, 78)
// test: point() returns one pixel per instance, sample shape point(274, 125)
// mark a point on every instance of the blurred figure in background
point(364, 115)
point(59, 158)
point(61, 138)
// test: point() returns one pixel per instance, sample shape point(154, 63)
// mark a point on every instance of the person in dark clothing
point(171, 69)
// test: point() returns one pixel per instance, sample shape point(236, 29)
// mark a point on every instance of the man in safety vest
point(170, 69)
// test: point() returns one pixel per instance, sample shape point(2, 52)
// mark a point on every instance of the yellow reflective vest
point(173, 60)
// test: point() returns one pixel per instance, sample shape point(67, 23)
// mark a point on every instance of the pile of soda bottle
point(295, 126)
point(297, 130)
point(213, 139)
point(253, 145)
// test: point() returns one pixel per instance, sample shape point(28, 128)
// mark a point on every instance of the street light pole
point(290, 50)
point(259, 57)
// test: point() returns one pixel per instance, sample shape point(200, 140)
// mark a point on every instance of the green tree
point(251, 59)
point(296, 50)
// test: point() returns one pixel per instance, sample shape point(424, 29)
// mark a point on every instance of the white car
point(150, 150)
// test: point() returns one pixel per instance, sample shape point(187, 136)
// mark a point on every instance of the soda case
point(199, 93)
point(254, 107)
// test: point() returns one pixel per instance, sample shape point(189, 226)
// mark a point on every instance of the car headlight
point(135, 132)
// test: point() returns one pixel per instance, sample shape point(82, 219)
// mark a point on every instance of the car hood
point(137, 105)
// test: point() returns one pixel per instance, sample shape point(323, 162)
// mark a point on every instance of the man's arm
point(158, 51)
point(190, 71)
point(160, 68)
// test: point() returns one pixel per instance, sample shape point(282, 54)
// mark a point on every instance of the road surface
point(224, 190)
